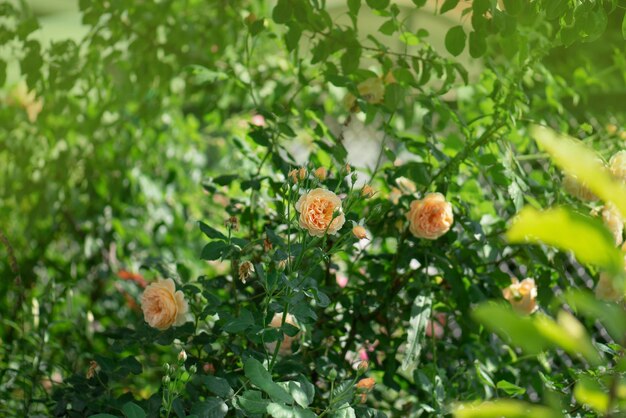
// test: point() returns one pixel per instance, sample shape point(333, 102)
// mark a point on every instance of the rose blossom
point(317, 212)
point(430, 217)
point(321, 173)
point(522, 295)
point(162, 305)
point(614, 222)
point(359, 232)
point(617, 165)
point(577, 189)
point(366, 384)
point(605, 289)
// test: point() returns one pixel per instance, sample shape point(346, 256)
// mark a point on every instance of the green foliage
point(178, 140)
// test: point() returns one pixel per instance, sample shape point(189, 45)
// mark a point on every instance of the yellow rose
point(617, 165)
point(162, 305)
point(522, 296)
point(614, 222)
point(430, 217)
point(578, 190)
point(605, 289)
point(285, 345)
point(317, 212)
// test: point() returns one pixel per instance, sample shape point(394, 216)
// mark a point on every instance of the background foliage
point(173, 112)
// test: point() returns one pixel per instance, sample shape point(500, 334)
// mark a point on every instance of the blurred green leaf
point(567, 230)
point(577, 159)
point(448, 5)
point(210, 408)
point(132, 410)
point(455, 40)
point(509, 388)
point(503, 408)
point(591, 393)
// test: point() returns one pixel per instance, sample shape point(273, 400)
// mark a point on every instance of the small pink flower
point(258, 120)
point(342, 280)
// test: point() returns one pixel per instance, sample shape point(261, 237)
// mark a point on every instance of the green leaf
point(510, 389)
point(591, 393)
point(211, 232)
point(567, 230)
point(103, 416)
point(283, 411)
point(218, 386)
point(477, 45)
point(388, 28)
point(378, 4)
point(214, 250)
point(260, 377)
point(504, 408)
point(448, 5)
point(282, 11)
point(513, 7)
point(252, 402)
point(351, 58)
point(624, 27)
point(455, 40)
point(539, 332)
point(394, 94)
point(575, 158)
point(354, 6)
point(420, 313)
point(244, 321)
point(302, 391)
point(611, 315)
point(210, 408)
point(3, 73)
point(132, 410)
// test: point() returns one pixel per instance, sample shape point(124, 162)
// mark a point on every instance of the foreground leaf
point(567, 230)
point(420, 312)
point(260, 377)
point(504, 408)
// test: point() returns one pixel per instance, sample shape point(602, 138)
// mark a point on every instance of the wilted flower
point(93, 368)
point(321, 173)
point(285, 345)
point(245, 270)
point(232, 223)
point(617, 165)
point(359, 232)
point(363, 366)
point(577, 189)
point(162, 305)
point(367, 191)
point(522, 295)
point(431, 217)
point(320, 212)
point(267, 245)
point(606, 290)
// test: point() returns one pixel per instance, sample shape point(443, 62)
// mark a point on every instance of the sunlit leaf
point(567, 230)
point(504, 408)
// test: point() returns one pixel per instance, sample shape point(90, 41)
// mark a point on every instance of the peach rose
point(617, 165)
point(614, 222)
point(578, 190)
point(605, 289)
point(162, 305)
point(430, 217)
point(285, 345)
point(522, 295)
point(317, 212)
point(366, 384)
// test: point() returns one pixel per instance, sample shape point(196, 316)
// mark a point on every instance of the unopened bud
point(182, 356)
point(367, 191)
point(193, 369)
point(359, 232)
point(321, 173)
point(302, 173)
point(166, 379)
point(166, 367)
point(332, 375)
point(363, 367)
